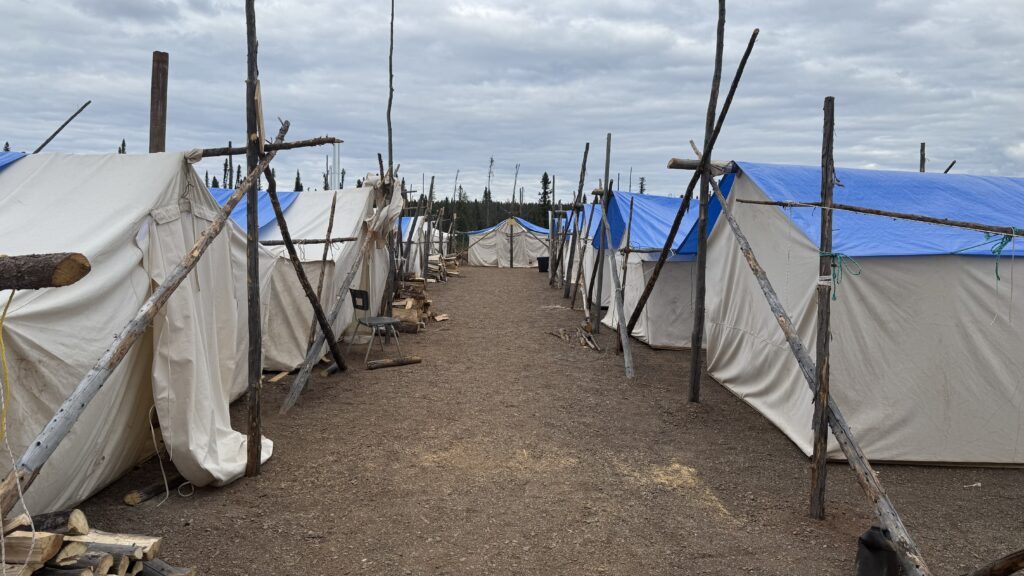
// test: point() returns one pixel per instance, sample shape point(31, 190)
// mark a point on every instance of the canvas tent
point(491, 246)
point(925, 360)
point(134, 217)
point(415, 241)
point(667, 319)
point(289, 316)
point(585, 250)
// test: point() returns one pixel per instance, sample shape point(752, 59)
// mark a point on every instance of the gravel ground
point(510, 451)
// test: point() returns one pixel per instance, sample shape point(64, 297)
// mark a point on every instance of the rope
point(839, 269)
point(998, 242)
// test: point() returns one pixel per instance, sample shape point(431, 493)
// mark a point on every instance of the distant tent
point(135, 217)
point(925, 354)
point(667, 319)
point(491, 246)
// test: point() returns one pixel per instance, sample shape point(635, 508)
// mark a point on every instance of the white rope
point(163, 473)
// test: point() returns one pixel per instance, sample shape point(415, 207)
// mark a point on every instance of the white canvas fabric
point(925, 361)
point(290, 317)
point(491, 247)
point(134, 217)
point(589, 257)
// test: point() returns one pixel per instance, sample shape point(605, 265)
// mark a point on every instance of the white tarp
point(925, 355)
point(134, 217)
point(490, 247)
point(290, 317)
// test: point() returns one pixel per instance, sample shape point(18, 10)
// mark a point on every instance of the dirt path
point(509, 451)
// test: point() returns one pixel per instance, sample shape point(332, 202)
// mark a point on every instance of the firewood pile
point(412, 306)
point(63, 544)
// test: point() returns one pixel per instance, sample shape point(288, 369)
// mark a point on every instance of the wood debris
point(63, 543)
point(582, 337)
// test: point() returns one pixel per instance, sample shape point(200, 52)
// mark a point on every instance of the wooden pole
point(300, 273)
point(391, 100)
point(625, 266)
point(61, 128)
point(252, 243)
point(922, 157)
point(34, 271)
point(819, 423)
point(690, 187)
point(307, 241)
point(308, 143)
point(576, 213)
point(913, 563)
point(585, 241)
point(158, 104)
point(1009, 564)
point(231, 166)
point(408, 241)
point(978, 227)
point(717, 168)
point(598, 275)
point(950, 167)
point(623, 339)
point(40, 449)
point(697, 336)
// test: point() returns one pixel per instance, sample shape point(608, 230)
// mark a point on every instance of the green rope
point(997, 241)
point(839, 268)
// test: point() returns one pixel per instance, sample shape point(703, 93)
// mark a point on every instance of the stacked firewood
point(63, 544)
point(412, 306)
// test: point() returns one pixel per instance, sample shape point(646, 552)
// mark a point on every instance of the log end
point(71, 269)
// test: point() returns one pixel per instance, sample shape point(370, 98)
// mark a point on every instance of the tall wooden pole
point(819, 423)
point(697, 336)
point(572, 226)
point(584, 241)
point(61, 128)
point(922, 157)
point(158, 104)
point(323, 264)
point(595, 304)
point(252, 280)
point(391, 100)
point(625, 266)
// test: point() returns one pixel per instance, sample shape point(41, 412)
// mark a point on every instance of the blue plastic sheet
point(7, 158)
point(525, 224)
point(264, 209)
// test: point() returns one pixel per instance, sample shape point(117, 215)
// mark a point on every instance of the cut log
point(98, 562)
point(17, 523)
point(21, 548)
point(392, 362)
point(135, 568)
point(34, 271)
point(118, 551)
point(68, 554)
point(1004, 566)
point(19, 569)
point(68, 522)
point(150, 545)
point(51, 571)
point(136, 497)
point(161, 568)
point(120, 566)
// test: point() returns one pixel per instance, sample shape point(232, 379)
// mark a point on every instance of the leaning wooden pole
point(575, 224)
point(323, 263)
point(705, 159)
point(602, 246)
point(584, 242)
point(910, 557)
point(627, 350)
point(625, 265)
point(819, 423)
point(40, 449)
point(252, 243)
point(697, 336)
point(300, 273)
point(61, 128)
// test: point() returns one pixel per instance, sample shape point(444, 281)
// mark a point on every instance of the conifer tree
point(643, 185)
point(215, 183)
point(7, 146)
point(298, 182)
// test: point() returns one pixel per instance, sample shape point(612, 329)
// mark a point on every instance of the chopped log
point(68, 522)
point(161, 568)
point(319, 141)
point(18, 569)
point(22, 548)
point(42, 447)
point(708, 148)
point(135, 568)
point(98, 562)
point(17, 523)
point(392, 362)
point(150, 491)
point(150, 545)
point(34, 271)
point(118, 551)
point(121, 565)
point(910, 557)
point(1004, 566)
point(68, 554)
point(51, 571)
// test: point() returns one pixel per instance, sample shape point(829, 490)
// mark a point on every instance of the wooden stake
point(819, 423)
point(314, 300)
point(323, 264)
point(690, 187)
point(913, 563)
point(34, 271)
point(697, 336)
point(158, 103)
point(40, 449)
point(577, 213)
point(252, 244)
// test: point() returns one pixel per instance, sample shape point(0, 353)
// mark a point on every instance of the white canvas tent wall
point(290, 316)
point(925, 355)
point(416, 246)
point(490, 246)
point(586, 251)
point(134, 217)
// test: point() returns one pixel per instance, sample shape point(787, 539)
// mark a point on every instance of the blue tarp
point(265, 211)
point(9, 157)
point(585, 218)
point(529, 226)
point(992, 200)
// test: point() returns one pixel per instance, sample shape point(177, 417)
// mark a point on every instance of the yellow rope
point(3, 362)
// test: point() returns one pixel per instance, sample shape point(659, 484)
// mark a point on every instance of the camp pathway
point(511, 451)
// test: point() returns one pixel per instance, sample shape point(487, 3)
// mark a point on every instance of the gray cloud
point(530, 82)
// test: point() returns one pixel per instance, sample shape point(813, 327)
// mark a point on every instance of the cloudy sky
point(529, 82)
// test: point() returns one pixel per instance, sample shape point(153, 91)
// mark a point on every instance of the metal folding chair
point(378, 325)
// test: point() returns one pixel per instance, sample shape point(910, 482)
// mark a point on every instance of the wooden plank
point(279, 376)
point(819, 422)
point(34, 271)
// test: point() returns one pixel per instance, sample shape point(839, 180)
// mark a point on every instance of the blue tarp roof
point(9, 157)
point(525, 224)
point(264, 209)
point(585, 218)
point(993, 200)
point(403, 225)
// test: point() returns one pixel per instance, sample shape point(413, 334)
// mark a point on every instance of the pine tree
point(206, 178)
point(215, 183)
point(124, 147)
point(224, 172)
point(342, 178)
point(298, 182)
point(327, 182)
point(7, 146)
point(643, 185)
point(545, 192)
point(238, 176)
